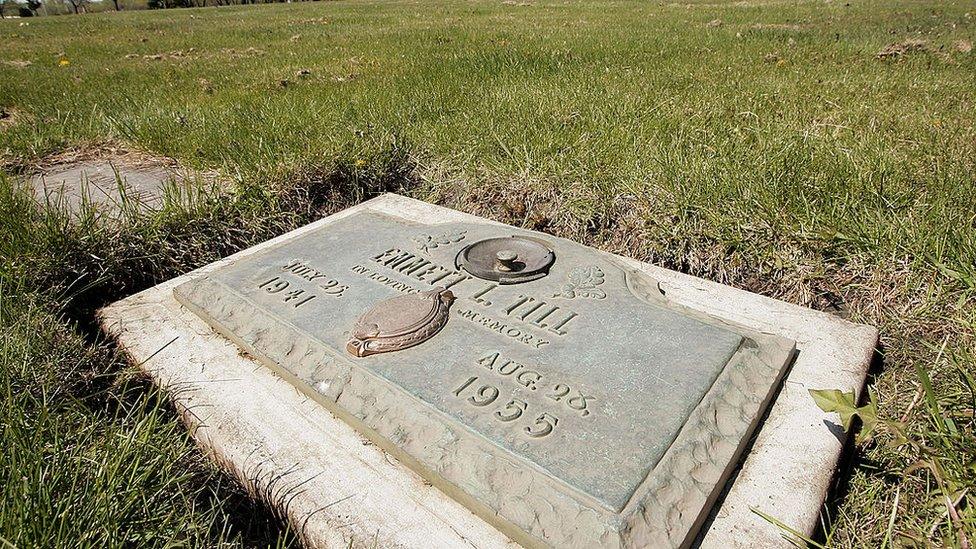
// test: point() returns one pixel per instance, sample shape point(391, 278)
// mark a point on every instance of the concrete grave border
point(336, 488)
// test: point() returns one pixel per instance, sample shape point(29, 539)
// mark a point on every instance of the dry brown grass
point(903, 47)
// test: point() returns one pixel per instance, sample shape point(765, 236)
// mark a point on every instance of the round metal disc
point(507, 259)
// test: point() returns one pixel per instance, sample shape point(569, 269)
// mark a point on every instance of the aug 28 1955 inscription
point(553, 391)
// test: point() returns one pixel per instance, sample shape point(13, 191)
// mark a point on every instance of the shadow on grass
point(852, 458)
point(67, 265)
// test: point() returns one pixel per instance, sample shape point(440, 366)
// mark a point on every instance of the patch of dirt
point(348, 77)
point(125, 155)
point(173, 55)
point(779, 27)
point(192, 54)
point(739, 4)
point(714, 24)
point(903, 48)
point(10, 116)
point(962, 46)
point(249, 52)
point(16, 63)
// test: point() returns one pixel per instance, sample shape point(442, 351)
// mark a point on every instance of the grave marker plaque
point(551, 389)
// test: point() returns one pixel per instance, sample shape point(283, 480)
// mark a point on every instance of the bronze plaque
point(576, 406)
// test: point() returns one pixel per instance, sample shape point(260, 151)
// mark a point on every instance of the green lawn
point(761, 143)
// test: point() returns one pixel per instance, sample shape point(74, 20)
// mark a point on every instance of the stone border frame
point(833, 353)
point(667, 508)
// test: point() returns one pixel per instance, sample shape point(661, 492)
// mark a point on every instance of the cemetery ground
point(823, 153)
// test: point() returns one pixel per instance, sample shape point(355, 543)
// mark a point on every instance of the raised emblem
point(400, 322)
point(428, 242)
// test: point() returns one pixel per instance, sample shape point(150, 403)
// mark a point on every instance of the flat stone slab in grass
point(582, 408)
point(597, 401)
point(95, 179)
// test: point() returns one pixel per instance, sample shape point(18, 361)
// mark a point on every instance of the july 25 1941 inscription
point(549, 388)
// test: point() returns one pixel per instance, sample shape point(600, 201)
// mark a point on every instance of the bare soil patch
point(792, 27)
point(9, 116)
point(173, 55)
point(192, 54)
point(902, 48)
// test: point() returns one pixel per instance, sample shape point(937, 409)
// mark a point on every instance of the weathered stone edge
point(669, 507)
point(679, 493)
point(511, 496)
point(312, 467)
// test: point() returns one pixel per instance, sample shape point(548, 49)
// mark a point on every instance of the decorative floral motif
point(428, 242)
point(583, 282)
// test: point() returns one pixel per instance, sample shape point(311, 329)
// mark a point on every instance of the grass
point(93, 461)
point(763, 144)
